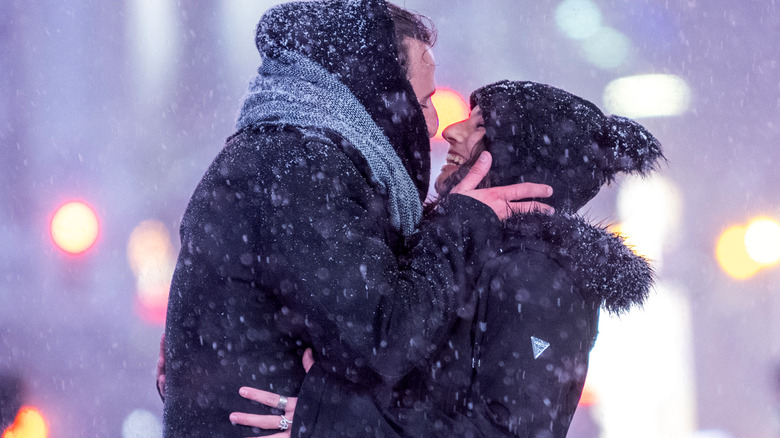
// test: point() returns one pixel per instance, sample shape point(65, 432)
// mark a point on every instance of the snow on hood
point(355, 40)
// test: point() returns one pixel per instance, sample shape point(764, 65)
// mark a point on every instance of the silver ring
point(282, 402)
point(284, 423)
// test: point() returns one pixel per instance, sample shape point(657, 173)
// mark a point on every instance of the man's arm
point(368, 311)
point(316, 233)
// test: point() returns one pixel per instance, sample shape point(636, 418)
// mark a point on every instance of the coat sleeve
point(315, 234)
point(534, 348)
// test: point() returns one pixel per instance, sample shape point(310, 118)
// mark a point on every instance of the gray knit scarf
point(293, 90)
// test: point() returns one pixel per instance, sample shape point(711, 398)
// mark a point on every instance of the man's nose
point(435, 123)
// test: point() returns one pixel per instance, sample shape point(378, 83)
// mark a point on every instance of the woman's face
point(462, 137)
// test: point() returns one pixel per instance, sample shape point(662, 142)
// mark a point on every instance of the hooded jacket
point(516, 362)
point(287, 243)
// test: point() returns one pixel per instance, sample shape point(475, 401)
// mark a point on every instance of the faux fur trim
point(606, 266)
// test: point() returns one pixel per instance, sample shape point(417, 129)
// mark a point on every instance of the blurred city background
point(110, 112)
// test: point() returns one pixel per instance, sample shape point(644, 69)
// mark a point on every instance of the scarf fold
point(293, 90)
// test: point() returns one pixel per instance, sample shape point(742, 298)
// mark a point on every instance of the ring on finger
point(282, 402)
point(284, 423)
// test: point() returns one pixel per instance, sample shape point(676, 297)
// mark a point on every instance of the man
point(305, 231)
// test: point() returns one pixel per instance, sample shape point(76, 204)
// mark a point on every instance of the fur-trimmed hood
point(608, 269)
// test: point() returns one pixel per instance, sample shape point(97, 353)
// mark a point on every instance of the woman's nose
point(453, 133)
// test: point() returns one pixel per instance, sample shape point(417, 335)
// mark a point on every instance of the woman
point(516, 361)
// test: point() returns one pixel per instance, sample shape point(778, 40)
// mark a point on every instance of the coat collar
point(597, 258)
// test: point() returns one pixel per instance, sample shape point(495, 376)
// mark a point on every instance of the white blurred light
point(141, 424)
point(649, 210)
point(663, 400)
point(238, 19)
point(712, 433)
point(156, 42)
point(607, 48)
point(650, 95)
point(762, 240)
point(578, 19)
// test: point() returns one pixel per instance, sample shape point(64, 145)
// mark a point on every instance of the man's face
point(462, 137)
point(421, 76)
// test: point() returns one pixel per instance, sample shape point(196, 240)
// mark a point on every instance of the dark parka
point(516, 362)
point(287, 243)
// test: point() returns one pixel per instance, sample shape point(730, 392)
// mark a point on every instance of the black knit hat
point(542, 134)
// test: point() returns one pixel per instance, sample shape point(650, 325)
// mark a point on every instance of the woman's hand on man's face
point(504, 200)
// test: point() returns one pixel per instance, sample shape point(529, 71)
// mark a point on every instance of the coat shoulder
point(598, 261)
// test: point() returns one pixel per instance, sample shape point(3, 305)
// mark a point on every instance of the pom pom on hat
point(635, 150)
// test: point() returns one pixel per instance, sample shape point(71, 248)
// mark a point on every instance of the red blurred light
point(152, 305)
point(74, 227)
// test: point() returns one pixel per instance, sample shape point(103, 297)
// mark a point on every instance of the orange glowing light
point(589, 396)
point(733, 256)
point(451, 108)
point(152, 258)
point(620, 230)
point(29, 423)
point(74, 227)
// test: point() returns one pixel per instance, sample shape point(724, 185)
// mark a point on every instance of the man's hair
point(410, 25)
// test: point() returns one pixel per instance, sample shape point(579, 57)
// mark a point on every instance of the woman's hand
point(281, 422)
point(503, 200)
point(161, 369)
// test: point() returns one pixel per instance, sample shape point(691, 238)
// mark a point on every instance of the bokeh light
point(74, 227)
point(152, 259)
point(451, 108)
point(650, 95)
point(156, 42)
point(29, 423)
point(618, 228)
point(762, 240)
point(733, 256)
point(141, 424)
point(589, 395)
point(578, 19)
point(607, 48)
point(650, 211)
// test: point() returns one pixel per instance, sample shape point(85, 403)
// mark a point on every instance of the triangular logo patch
point(539, 346)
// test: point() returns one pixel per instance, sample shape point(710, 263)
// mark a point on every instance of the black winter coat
point(516, 362)
point(286, 243)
